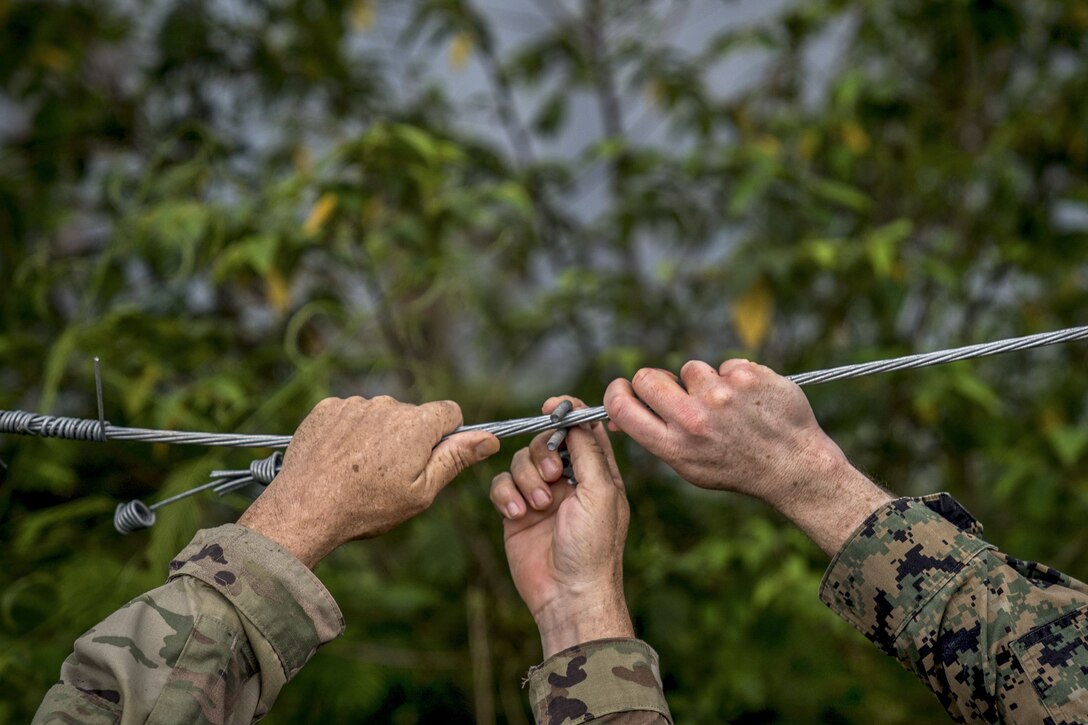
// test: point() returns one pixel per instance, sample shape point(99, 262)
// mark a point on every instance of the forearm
point(827, 498)
point(238, 618)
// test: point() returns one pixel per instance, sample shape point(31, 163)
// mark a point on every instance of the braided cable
point(47, 426)
point(136, 515)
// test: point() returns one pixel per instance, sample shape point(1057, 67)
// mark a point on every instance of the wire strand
point(47, 426)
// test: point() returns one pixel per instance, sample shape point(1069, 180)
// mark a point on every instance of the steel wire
point(46, 426)
point(135, 514)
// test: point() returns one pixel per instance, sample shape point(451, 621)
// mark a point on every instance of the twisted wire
point(135, 514)
point(24, 423)
point(51, 426)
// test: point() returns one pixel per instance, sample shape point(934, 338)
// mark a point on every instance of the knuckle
point(453, 407)
point(720, 396)
point(521, 467)
point(617, 407)
point(500, 486)
point(690, 366)
point(461, 460)
point(743, 377)
point(383, 400)
point(640, 376)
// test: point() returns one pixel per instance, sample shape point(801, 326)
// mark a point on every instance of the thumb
point(455, 454)
point(591, 466)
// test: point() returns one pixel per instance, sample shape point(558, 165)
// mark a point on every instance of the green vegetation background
point(929, 197)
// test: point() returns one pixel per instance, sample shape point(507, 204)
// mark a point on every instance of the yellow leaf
point(302, 158)
point(855, 138)
point(808, 145)
point(373, 210)
point(656, 93)
point(752, 314)
point(1079, 16)
point(363, 15)
point(324, 208)
point(767, 145)
point(460, 50)
point(277, 291)
point(53, 57)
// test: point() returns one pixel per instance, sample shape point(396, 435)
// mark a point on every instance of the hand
point(565, 543)
point(356, 468)
point(744, 428)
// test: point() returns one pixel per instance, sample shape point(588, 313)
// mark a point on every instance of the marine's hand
point(356, 468)
point(745, 428)
point(565, 543)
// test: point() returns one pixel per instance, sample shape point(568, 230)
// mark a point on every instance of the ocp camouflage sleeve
point(996, 638)
point(606, 681)
point(237, 618)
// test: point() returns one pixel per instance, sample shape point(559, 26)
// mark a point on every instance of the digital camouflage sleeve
point(997, 639)
point(237, 618)
point(614, 681)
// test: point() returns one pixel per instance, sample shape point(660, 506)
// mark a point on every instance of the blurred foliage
point(239, 208)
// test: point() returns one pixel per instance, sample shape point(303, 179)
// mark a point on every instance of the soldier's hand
point(356, 468)
point(744, 428)
point(565, 543)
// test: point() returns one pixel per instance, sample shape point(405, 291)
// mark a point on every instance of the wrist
point(296, 539)
point(567, 622)
point(828, 498)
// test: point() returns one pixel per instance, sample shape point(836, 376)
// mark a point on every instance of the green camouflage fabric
point(237, 618)
point(614, 681)
point(997, 639)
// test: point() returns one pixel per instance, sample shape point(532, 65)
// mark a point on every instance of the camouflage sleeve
point(237, 618)
point(997, 639)
point(606, 681)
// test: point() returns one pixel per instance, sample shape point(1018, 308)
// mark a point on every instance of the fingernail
point(512, 510)
point(549, 469)
point(487, 448)
point(541, 498)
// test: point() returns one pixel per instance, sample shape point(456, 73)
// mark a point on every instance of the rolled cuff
point(595, 679)
point(277, 593)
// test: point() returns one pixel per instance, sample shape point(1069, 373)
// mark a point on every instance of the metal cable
point(46, 426)
point(136, 514)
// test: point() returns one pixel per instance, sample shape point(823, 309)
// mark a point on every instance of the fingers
point(548, 461)
point(441, 417)
point(660, 390)
point(605, 443)
point(733, 364)
point(633, 418)
point(530, 484)
point(591, 464)
point(509, 501)
point(506, 497)
point(697, 376)
point(454, 455)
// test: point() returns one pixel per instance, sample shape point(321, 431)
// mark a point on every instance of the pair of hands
point(738, 428)
point(356, 468)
